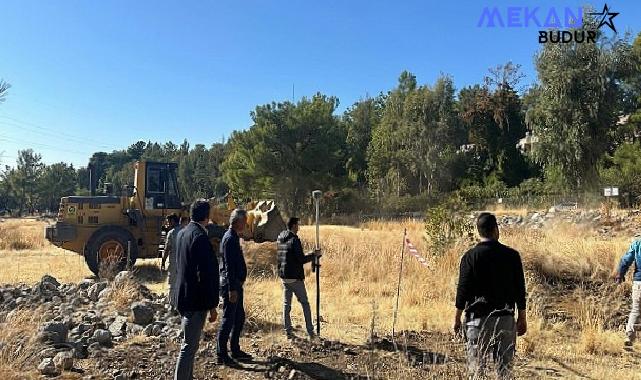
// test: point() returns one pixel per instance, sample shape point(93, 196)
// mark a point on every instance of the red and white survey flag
point(412, 250)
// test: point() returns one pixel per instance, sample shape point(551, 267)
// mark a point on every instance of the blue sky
point(100, 75)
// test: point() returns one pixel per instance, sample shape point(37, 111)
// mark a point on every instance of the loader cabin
point(119, 229)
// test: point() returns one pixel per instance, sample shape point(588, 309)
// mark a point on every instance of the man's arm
point(167, 248)
point(300, 255)
point(627, 260)
point(521, 321)
point(519, 284)
point(207, 269)
point(231, 253)
point(463, 291)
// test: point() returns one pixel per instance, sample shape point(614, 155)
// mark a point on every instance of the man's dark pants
point(232, 324)
point(192, 327)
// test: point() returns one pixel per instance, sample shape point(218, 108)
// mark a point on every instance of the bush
point(445, 224)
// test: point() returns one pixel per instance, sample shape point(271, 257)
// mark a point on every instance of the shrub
point(445, 224)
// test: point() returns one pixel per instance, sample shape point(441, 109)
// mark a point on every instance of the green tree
point(57, 180)
point(578, 104)
point(360, 119)
point(623, 169)
point(290, 150)
point(413, 146)
point(24, 179)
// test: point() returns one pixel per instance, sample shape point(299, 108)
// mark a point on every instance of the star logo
point(605, 17)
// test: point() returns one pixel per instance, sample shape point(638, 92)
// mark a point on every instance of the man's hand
point(317, 253)
point(457, 326)
point(212, 315)
point(617, 277)
point(233, 296)
point(521, 323)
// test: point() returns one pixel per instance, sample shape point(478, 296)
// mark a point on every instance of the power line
point(42, 146)
point(56, 132)
point(50, 135)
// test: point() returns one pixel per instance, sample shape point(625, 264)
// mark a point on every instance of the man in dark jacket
point(233, 273)
point(290, 269)
point(197, 279)
point(491, 283)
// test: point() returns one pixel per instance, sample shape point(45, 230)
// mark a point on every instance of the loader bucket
point(266, 221)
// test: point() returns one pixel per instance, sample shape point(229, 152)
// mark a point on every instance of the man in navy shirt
point(233, 273)
point(196, 286)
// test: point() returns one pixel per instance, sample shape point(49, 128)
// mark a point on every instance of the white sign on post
point(610, 191)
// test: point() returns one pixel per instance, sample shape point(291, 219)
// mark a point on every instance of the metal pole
point(316, 194)
point(398, 288)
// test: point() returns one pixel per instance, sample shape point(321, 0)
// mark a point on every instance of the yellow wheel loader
point(112, 232)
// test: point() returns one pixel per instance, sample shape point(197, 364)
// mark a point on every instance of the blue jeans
point(192, 326)
point(231, 325)
point(297, 288)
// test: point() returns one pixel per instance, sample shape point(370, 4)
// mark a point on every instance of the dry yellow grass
point(18, 329)
point(359, 274)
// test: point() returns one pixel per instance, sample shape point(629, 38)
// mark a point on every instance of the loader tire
point(106, 251)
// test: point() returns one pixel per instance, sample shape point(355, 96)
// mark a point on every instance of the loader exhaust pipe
point(92, 179)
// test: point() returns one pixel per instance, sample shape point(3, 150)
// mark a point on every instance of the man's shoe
point(225, 360)
point(241, 355)
point(290, 335)
point(628, 342)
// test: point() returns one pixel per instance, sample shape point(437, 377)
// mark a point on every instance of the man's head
point(238, 220)
point(487, 226)
point(172, 220)
point(200, 211)
point(184, 221)
point(292, 225)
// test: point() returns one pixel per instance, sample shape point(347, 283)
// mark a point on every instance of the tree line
point(413, 146)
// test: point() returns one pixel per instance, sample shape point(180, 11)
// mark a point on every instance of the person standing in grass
point(491, 283)
point(233, 273)
point(196, 288)
point(291, 259)
point(169, 252)
point(633, 255)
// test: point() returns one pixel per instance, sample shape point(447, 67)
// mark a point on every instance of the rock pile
point(627, 222)
point(79, 321)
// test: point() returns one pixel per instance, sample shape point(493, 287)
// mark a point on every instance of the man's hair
point(237, 215)
point(292, 222)
point(486, 224)
point(173, 218)
point(199, 210)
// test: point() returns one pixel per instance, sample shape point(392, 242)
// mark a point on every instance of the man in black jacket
point(290, 269)
point(233, 273)
point(491, 283)
point(196, 293)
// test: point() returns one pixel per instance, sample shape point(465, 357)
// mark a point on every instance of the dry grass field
point(576, 313)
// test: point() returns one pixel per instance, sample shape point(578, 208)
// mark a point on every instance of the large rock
point(49, 281)
point(142, 313)
point(94, 290)
point(64, 360)
point(54, 332)
point(102, 336)
point(119, 326)
point(47, 367)
point(122, 277)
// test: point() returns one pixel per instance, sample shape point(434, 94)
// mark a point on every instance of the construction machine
point(113, 231)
